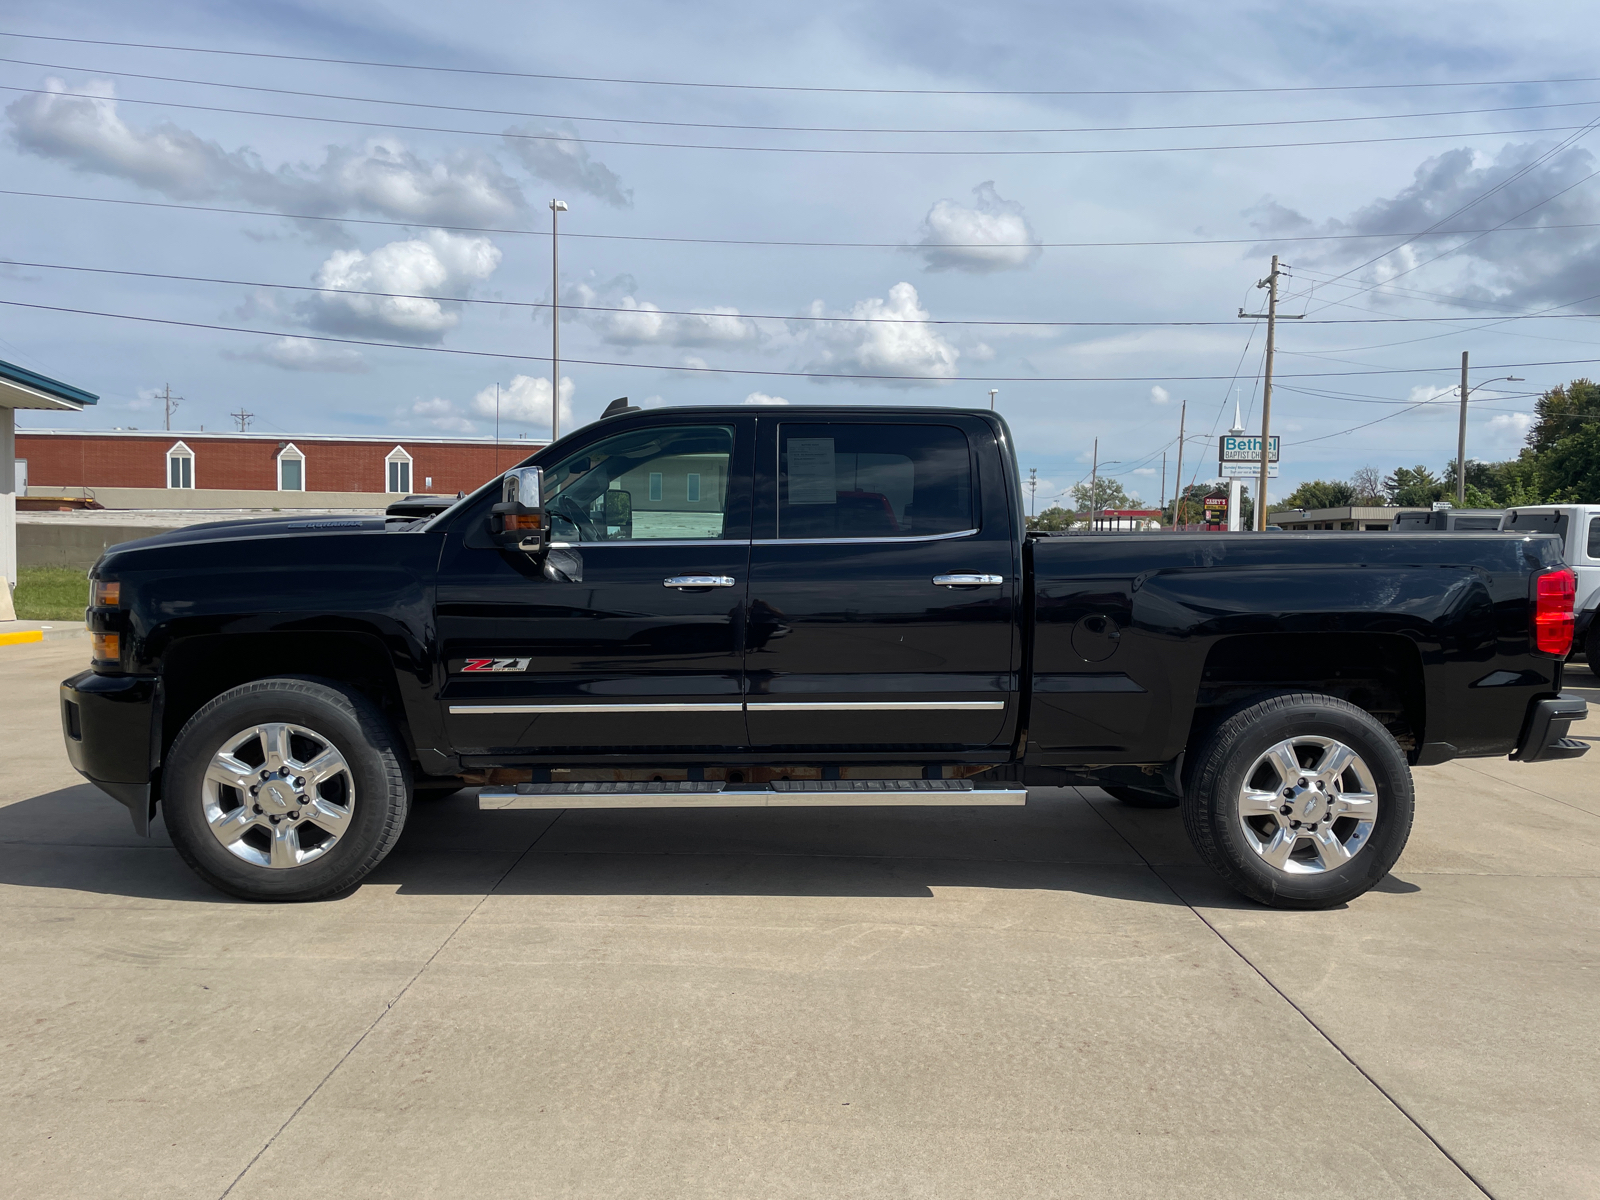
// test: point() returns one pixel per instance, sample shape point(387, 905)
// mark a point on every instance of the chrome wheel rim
point(278, 795)
point(1308, 805)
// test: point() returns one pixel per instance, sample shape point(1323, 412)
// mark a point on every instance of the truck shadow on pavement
point(77, 839)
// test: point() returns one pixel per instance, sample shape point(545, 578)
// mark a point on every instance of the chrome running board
point(783, 793)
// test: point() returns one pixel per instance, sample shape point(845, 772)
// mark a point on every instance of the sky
point(341, 225)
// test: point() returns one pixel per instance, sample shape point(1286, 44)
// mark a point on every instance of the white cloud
point(83, 128)
point(641, 323)
point(304, 354)
point(1159, 395)
point(894, 340)
point(437, 262)
point(558, 156)
point(1143, 471)
point(525, 401)
point(763, 398)
point(1508, 427)
point(992, 234)
point(441, 414)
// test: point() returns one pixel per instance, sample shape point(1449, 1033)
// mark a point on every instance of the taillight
point(1553, 596)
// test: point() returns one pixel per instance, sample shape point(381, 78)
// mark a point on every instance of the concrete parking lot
point(1051, 1001)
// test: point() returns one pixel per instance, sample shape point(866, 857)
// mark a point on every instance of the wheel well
point(200, 668)
point(1378, 672)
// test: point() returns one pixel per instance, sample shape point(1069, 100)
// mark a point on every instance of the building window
point(399, 472)
point(180, 467)
point(655, 485)
point(291, 469)
point(694, 488)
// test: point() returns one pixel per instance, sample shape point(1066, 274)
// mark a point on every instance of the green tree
point(1107, 493)
point(1053, 518)
point(1413, 487)
point(1564, 443)
point(1321, 493)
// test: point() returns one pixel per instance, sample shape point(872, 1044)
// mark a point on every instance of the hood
point(269, 527)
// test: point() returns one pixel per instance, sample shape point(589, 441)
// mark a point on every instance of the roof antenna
point(619, 406)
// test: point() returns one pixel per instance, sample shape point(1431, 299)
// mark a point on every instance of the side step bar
point(783, 793)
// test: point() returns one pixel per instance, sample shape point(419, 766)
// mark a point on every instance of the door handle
point(697, 581)
point(966, 579)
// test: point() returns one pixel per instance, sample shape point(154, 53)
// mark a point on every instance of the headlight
point(107, 593)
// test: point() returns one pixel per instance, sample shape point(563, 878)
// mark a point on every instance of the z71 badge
point(497, 664)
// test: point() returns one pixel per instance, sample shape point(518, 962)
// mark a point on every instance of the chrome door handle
point(697, 581)
point(966, 579)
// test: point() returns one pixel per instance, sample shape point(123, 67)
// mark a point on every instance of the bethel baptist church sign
point(1239, 456)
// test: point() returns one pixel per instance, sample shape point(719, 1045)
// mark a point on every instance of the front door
point(883, 589)
point(632, 638)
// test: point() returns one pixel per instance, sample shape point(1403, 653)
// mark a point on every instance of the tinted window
point(1594, 537)
point(670, 481)
point(1538, 522)
point(1478, 523)
point(860, 481)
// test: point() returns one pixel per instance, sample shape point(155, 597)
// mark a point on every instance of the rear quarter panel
point(1459, 600)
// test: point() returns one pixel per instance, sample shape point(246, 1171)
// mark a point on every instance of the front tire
point(285, 789)
point(1300, 801)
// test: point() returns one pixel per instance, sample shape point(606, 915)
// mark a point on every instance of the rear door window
point(1594, 537)
point(850, 481)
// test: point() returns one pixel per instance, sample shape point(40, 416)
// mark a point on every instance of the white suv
point(1578, 527)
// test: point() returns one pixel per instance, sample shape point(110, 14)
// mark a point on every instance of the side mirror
point(519, 519)
point(619, 512)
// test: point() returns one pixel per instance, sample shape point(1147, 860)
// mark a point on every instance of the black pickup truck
point(814, 606)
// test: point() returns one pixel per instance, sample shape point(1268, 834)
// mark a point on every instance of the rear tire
point(286, 789)
point(1300, 801)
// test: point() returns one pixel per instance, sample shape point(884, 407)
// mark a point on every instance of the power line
point(504, 112)
point(772, 87)
point(811, 245)
point(704, 370)
point(752, 316)
point(562, 139)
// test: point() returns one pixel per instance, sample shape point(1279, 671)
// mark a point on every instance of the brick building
point(260, 462)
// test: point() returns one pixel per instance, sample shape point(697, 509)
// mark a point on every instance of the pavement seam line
point(1304, 1016)
point(1524, 788)
point(388, 1008)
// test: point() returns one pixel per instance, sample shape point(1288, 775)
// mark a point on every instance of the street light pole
point(1461, 434)
point(556, 206)
point(993, 392)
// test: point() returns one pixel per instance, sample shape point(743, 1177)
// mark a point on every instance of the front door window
point(666, 483)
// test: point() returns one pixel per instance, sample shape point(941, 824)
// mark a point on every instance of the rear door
point(883, 587)
point(632, 639)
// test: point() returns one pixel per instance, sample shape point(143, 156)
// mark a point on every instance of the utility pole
point(1163, 503)
point(1033, 488)
point(1094, 484)
point(244, 418)
point(497, 428)
point(1177, 495)
point(993, 392)
point(1461, 440)
point(169, 402)
point(1271, 315)
point(556, 206)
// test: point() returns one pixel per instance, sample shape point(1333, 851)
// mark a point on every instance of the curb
point(23, 637)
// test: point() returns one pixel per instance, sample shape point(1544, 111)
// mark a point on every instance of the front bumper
point(1545, 737)
point(111, 725)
